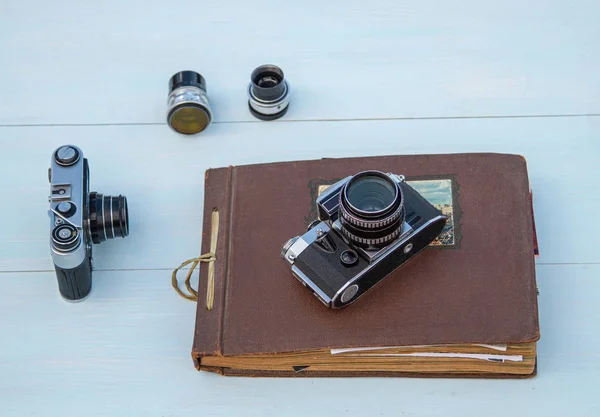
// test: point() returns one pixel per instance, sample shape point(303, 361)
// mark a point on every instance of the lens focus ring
point(65, 238)
point(379, 241)
point(371, 224)
point(109, 217)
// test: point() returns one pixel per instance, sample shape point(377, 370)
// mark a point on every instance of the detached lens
point(268, 93)
point(188, 105)
point(109, 217)
point(189, 119)
point(371, 209)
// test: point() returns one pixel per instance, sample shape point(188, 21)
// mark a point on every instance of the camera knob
point(66, 208)
point(66, 155)
point(288, 245)
point(65, 237)
point(349, 257)
point(349, 293)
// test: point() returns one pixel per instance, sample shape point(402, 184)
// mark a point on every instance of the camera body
point(369, 224)
point(79, 218)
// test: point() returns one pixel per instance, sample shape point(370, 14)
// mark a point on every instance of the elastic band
point(207, 257)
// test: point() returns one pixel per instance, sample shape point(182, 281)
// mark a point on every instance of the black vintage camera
point(369, 224)
point(79, 218)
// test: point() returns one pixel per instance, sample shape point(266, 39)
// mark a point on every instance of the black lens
point(108, 217)
point(268, 93)
point(371, 209)
point(370, 193)
point(267, 82)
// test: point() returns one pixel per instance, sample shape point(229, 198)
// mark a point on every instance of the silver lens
point(268, 93)
point(188, 110)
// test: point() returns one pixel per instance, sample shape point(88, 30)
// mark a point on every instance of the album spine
point(208, 333)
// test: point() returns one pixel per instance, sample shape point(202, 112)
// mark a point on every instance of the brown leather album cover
point(474, 285)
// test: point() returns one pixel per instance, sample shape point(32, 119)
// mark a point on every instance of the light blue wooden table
point(368, 78)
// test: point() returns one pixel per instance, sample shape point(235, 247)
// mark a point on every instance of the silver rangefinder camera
point(79, 218)
point(368, 225)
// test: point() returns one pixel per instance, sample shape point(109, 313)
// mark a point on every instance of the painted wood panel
point(106, 62)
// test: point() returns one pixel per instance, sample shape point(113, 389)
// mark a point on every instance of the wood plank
point(80, 62)
point(163, 177)
point(126, 350)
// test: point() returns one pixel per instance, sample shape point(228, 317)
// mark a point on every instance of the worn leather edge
point(209, 324)
point(376, 157)
point(374, 374)
point(533, 243)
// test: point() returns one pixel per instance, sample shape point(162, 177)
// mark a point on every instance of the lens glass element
point(268, 81)
point(371, 193)
point(189, 119)
point(269, 77)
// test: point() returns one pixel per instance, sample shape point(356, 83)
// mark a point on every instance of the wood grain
point(162, 174)
point(126, 351)
point(102, 62)
point(95, 74)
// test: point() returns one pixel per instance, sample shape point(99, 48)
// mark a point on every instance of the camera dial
point(65, 237)
point(66, 155)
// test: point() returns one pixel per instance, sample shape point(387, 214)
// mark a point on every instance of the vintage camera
point(79, 218)
point(369, 224)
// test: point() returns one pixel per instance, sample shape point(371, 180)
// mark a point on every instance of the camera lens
point(108, 217)
point(188, 106)
point(371, 209)
point(268, 93)
point(370, 194)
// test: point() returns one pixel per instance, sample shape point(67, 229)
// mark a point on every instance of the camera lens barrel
point(109, 217)
point(371, 209)
point(268, 93)
point(188, 106)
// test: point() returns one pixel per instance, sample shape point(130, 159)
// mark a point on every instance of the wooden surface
point(368, 78)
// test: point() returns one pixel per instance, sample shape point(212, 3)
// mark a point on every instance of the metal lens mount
point(268, 93)
point(188, 107)
point(371, 209)
point(109, 217)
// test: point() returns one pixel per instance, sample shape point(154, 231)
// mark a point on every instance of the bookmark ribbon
point(208, 258)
